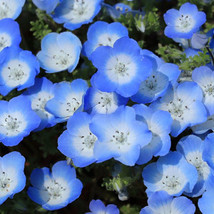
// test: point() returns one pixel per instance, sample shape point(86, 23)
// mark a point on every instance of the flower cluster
point(133, 108)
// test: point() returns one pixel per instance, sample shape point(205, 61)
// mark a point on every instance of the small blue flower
point(57, 189)
point(12, 177)
point(171, 173)
point(98, 102)
point(204, 77)
point(183, 23)
point(184, 103)
point(205, 203)
point(192, 148)
point(9, 33)
point(11, 9)
point(77, 142)
point(198, 40)
point(75, 13)
point(159, 123)
point(47, 5)
point(120, 136)
point(156, 84)
point(121, 68)
point(103, 34)
point(39, 94)
point(18, 69)
point(161, 202)
point(17, 120)
point(98, 207)
point(59, 52)
point(68, 98)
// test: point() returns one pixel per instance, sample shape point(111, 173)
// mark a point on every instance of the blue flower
point(205, 203)
point(120, 136)
point(192, 148)
point(208, 152)
point(11, 9)
point(98, 102)
point(47, 5)
point(171, 173)
point(39, 94)
point(57, 189)
point(184, 103)
point(97, 206)
point(121, 68)
point(12, 177)
point(17, 120)
point(159, 123)
point(161, 202)
point(204, 77)
point(9, 33)
point(18, 69)
point(59, 52)
point(77, 142)
point(75, 13)
point(103, 34)
point(68, 98)
point(156, 84)
point(183, 23)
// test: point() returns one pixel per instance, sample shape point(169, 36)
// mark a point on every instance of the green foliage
point(128, 209)
point(152, 21)
point(169, 53)
point(199, 3)
point(127, 20)
point(190, 63)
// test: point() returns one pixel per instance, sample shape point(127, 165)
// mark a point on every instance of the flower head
point(17, 120)
point(59, 52)
point(121, 68)
point(54, 190)
point(12, 177)
point(184, 22)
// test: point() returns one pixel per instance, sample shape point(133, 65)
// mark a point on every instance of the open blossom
point(18, 69)
point(68, 98)
point(54, 190)
point(17, 120)
point(121, 68)
point(184, 103)
point(77, 142)
point(12, 177)
point(161, 202)
point(59, 52)
point(171, 173)
point(98, 102)
point(183, 23)
point(103, 34)
point(9, 33)
point(120, 136)
point(11, 9)
point(75, 13)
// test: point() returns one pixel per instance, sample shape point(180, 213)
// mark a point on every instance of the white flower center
point(12, 124)
point(15, 73)
point(173, 180)
point(79, 10)
point(84, 141)
point(38, 104)
point(62, 59)
point(105, 103)
point(195, 158)
point(208, 89)
point(177, 109)
point(4, 183)
point(184, 23)
point(5, 41)
point(121, 69)
point(57, 190)
point(7, 9)
point(71, 104)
